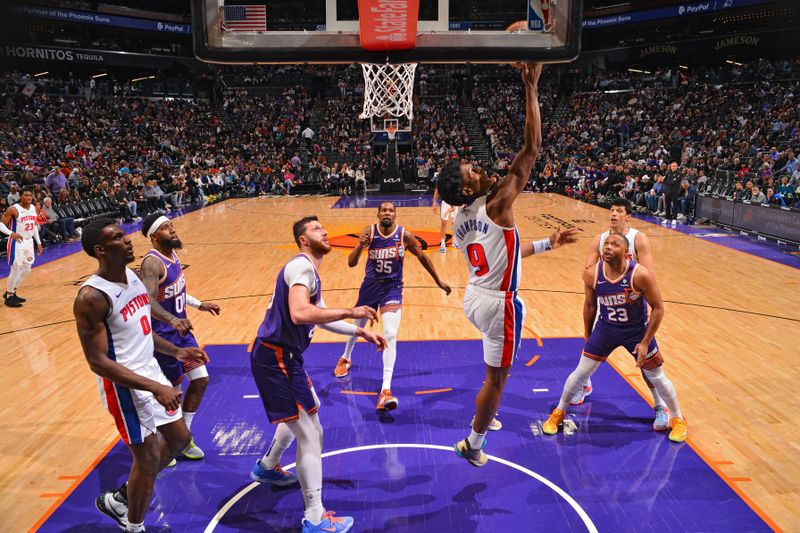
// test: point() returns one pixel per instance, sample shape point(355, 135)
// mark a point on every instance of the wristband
point(539, 247)
point(192, 301)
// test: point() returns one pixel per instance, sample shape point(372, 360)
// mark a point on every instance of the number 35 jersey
point(385, 256)
point(492, 251)
point(171, 291)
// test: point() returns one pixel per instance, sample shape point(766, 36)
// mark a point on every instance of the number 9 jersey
point(490, 300)
point(491, 250)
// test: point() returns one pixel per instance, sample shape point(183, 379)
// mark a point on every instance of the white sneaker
point(579, 397)
point(494, 425)
point(661, 421)
point(193, 451)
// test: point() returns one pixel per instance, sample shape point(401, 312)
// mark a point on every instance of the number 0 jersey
point(171, 291)
point(618, 302)
point(491, 250)
point(130, 339)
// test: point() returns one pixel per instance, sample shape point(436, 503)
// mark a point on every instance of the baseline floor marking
point(555, 488)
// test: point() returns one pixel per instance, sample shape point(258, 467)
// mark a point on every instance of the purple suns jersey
point(618, 302)
point(385, 256)
point(277, 327)
point(171, 291)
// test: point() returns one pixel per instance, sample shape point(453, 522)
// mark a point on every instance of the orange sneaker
point(342, 367)
point(551, 426)
point(387, 402)
point(679, 430)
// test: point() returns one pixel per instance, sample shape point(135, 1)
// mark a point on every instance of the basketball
point(520, 25)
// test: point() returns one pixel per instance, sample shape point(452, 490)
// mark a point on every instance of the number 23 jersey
point(492, 251)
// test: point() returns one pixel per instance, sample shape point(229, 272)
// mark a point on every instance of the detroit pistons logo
point(171, 412)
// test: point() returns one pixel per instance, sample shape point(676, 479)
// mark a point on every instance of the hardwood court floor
point(727, 337)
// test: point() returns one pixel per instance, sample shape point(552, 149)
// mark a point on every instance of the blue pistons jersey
point(385, 256)
point(618, 302)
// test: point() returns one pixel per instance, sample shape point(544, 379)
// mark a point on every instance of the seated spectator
point(13, 194)
point(50, 219)
point(756, 196)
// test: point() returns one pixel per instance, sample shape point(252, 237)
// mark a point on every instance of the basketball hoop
point(388, 90)
point(391, 130)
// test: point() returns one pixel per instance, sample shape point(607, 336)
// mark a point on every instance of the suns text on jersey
point(471, 224)
point(384, 253)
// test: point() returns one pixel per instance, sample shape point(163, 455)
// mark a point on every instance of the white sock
point(187, 417)
point(135, 528)
point(391, 323)
point(441, 243)
point(665, 389)
point(308, 432)
point(475, 440)
point(351, 342)
point(588, 383)
point(586, 367)
point(281, 441)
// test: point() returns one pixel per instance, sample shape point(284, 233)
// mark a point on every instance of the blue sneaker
point(330, 523)
point(661, 422)
point(443, 248)
point(277, 476)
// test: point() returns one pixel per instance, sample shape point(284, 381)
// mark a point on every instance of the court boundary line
point(584, 516)
point(706, 459)
point(75, 484)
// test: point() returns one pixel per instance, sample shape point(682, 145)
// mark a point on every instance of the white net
point(388, 90)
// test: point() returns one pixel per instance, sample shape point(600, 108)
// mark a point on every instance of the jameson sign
point(52, 54)
point(737, 40)
point(668, 49)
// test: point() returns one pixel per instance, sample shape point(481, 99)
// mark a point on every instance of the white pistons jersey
point(631, 236)
point(25, 223)
point(130, 338)
point(491, 250)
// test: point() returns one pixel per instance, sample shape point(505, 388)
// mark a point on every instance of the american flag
point(246, 18)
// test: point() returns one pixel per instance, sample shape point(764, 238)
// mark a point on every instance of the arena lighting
point(100, 75)
point(683, 66)
point(636, 70)
point(143, 78)
point(45, 73)
point(730, 62)
point(615, 91)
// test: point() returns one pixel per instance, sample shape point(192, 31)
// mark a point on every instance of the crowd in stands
point(658, 144)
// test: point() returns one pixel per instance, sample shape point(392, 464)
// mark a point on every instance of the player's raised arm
point(644, 252)
point(91, 308)
point(589, 301)
point(520, 170)
point(645, 282)
point(594, 254)
point(363, 244)
point(150, 274)
point(558, 239)
point(411, 244)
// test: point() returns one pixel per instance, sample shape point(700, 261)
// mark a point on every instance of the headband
point(155, 225)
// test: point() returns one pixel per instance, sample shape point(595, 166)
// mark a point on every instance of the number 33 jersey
point(492, 251)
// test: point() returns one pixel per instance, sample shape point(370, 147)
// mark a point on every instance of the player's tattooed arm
point(363, 244)
point(151, 272)
point(411, 244)
point(91, 309)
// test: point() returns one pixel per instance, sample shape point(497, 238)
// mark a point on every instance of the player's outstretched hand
point(191, 355)
point(365, 311)
point(561, 237)
point(167, 396)
point(182, 325)
point(445, 287)
point(373, 338)
point(210, 308)
point(640, 351)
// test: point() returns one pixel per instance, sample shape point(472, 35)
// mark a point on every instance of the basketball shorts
point(20, 253)
point(387, 296)
point(136, 413)
point(605, 338)
point(499, 316)
point(447, 211)
point(282, 382)
point(174, 369)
